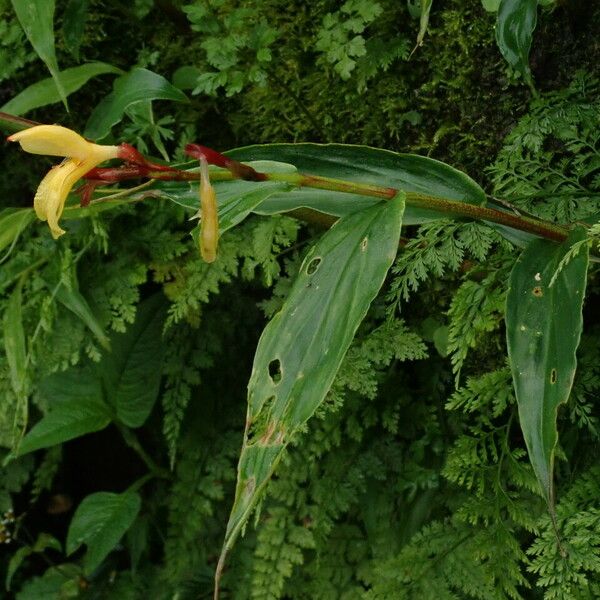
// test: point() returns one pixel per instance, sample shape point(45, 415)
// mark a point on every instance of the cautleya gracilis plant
point(363, 196)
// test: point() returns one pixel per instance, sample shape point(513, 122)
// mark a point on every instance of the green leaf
point(423, 20)
point(74, 19)
point(37, 20)
point(138, 85)
point(99, 522)
point(45, 91)
point(57, 583)
point(236, 199)
point(302, 347)
point(14, 341)
point(131, 371)
point(514, 31)
point(13, 221)
point(543, 327)
point(406, 172)
point(491, 5)
point(16, 560)
point(186, 77)
point(43, 542)
point(78, 305)
point(72, 384)
point(76, 409)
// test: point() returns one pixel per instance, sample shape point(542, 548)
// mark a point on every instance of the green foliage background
point(413, 482)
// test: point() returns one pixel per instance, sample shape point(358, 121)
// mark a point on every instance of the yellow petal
point(209, 223)
point(53, 190)
point(55, 140)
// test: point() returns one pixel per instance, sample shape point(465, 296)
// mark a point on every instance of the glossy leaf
point(514, 31)
point(78, 305)
point(14, 341)
point(99, 522)
point(302, 347)
point(139, 85)
point(405, 172)
point(131, 371)
point(543, 325)
point(37, 20)
point(45, 91)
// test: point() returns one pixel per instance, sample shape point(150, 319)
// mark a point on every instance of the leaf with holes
point(99, 522)
point(543, 327)
point(514, 31)
point(301, 349)
point(406, 172)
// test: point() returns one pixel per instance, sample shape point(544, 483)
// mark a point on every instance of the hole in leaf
point(537, 291)
point(364, 244)
point(313, 265)
point(275, 370)
point(553, 376)
point(258, 425)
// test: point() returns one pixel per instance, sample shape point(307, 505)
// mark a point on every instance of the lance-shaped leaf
point(514, 31)
point(37, 20)
point(301, 349)
point(543, 327)
point(45, 91)
point(423, 20)
point(139, 85)
point(78, 305)
point(407, 172)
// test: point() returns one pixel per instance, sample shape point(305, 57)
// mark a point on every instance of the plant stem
point(132, 441)
point(532, 225)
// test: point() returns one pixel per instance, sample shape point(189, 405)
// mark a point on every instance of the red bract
point(238, 169)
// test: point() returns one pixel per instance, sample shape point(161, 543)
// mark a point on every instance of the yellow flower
point(81, 157)
point(209, 222)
